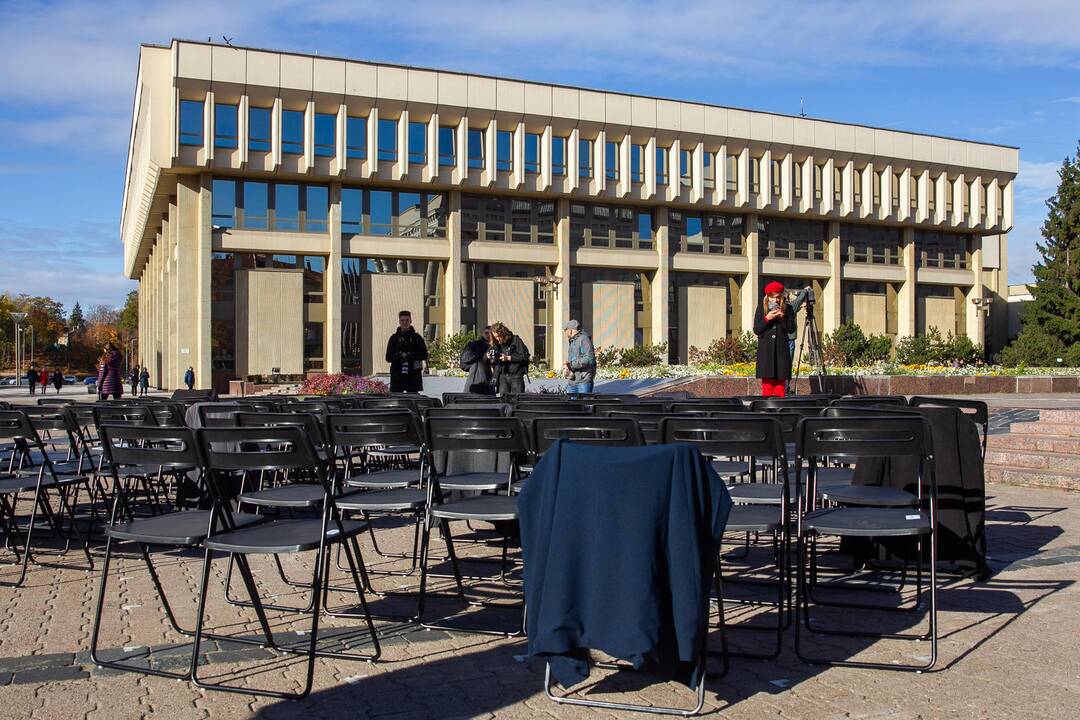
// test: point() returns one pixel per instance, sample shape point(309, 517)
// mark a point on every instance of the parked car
point(9, 380)
point(90, 381)
point(70, 380)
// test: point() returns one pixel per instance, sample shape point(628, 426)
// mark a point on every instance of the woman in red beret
point(773, 321)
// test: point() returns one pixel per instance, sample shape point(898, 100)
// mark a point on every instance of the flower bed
point(877, 370)
point(340, 384)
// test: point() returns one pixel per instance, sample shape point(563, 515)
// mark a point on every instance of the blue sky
point(990, 70)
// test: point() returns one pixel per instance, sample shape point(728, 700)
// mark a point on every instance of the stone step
point(1036, 478)
point(1034, 460)
point(1071, 417)
point(1034, 443)
point(1044, 427)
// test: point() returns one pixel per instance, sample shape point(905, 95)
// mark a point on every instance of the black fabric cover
point(619, 547)
point(961, 489)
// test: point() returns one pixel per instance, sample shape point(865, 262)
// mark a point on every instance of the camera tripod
point(810, 346)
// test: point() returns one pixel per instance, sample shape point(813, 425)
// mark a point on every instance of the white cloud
point(1073, 99)
point(1036, 181)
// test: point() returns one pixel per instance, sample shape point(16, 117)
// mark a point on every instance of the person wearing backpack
point(475, 361)
point(510, 359)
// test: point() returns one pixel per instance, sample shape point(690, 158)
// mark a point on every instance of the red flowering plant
point(341, 384)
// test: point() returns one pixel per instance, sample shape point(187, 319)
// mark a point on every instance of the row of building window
point(226, 135)
point(297, 207)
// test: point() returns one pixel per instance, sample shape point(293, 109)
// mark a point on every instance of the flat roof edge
point(586, 89)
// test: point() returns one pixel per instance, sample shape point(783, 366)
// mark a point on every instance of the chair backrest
point(709, 405)
point(283, 447)
point(124, 415)
point(789, 420)
point(865, 411)
point(16, 426)
point(166, 447)
point(421, 401)
point(881, 435)
point(540, 398)
point(221, 415)
point(731, 436)
point(857, 400)
point(46, 417)
point(644, 408)
point(567, 407)
point(468, 399)
point(55, 401)
point(193, 395)
point(648, 421)
point(5, 405)
point(314, 407)
point(976, 409)
point(787, 402)
point(476, 435)
point(349, 430)
point(469, 410)
point(802, 410)
point(613, 431)
point(306, 421)
point(169, 414)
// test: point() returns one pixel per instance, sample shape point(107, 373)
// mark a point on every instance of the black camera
point(810, 299)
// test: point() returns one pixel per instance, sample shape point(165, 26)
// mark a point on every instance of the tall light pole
point(17, 318)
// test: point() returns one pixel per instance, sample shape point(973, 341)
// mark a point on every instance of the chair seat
point(21, 482)
point(753, 518)
point(179, 528)
point(282, 536)
point(760, 493)
point(382, 500)
point(868, 495)
point(481, 507)
point(729, 468)
point(867, 522)
point(474, 481)
point(385, 479)
point(396, 450)
point(295, 495)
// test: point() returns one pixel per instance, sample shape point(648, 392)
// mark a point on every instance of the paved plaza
point(1007, 646)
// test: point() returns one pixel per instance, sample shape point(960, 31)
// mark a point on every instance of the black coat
point(518, 364)
point(405, 349)
point(773, 354)
point(474, 360)
point(619, 547)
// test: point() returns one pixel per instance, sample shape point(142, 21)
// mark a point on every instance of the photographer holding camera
point(774, 324)
point(510, 360)
point(803, 297)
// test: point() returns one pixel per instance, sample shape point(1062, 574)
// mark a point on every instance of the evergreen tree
point(76, 322)
point(1051, 321)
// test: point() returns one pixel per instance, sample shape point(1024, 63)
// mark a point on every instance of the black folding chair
point(612, 431)
point(34, 473)
point(489, 436)
point(753, 437)
point(886, 436)
point(869, 400)
point(174, 450)
point(280, 449)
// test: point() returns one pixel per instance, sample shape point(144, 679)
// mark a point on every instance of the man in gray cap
point(580, 365)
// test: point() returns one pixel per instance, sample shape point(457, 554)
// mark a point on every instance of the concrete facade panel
point(716, 121)
point(194, 61)
point(592, 105)
point(538, 100)
point(564, 102)
point(361, 79)
point(297, 72)
point(329, 76)
point(393, 83)
point(263, 68)
point(509, 96)
point(668, 115)
point(482, 93)
point(692, 117)
point(228, 65)
point(423, 86)
point(453, 89)
point(643, 112)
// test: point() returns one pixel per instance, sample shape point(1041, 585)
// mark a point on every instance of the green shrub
point(878, 348)
point(958, 348)
point(607, 356)
point(722, 351)
point(850, 343)
point(445, 352)
point(748, 343)
point(1035, 347)
point(918, 349)
point(643, 355)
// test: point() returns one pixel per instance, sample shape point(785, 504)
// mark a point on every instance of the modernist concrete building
point(279, 209)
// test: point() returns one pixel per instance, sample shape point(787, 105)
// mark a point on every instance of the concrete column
point(827, 199)
point(560, 300)
point(545, 158)
point(517, 148)
point(275, 135)
point(806, 202)
point(749, 290)
point(659, 285)
point(904, 211)
point(401, 167)
point(490, 151)
point(171, 316)
point(242, 130)
point(371, 162)
point(452, 278)
point(886, 209)
point(926, 186)
point(905, 298)
point(1000, 309)
point(697, 172)
point(461, 158)
point(833, 301)
point(192, 280)
point(867, 191)
point(742, 192)
point(332, 278)
point(847, 206)
point(309, 136)
point(622, 187)
point(975, 319)
point(765, 178)
point(674, 179)
point(573, 166)
point(786, 181)
point(648, 167)
point(600, 162)
point(431, 168)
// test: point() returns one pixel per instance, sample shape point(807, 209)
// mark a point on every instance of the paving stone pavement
point(1007, 646)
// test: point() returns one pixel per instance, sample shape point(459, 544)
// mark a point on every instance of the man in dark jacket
point(475, 360)
point(406, 352)
point(32, 378)
point(510, 359)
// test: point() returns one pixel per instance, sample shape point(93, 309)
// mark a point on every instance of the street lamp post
point(17, 318)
